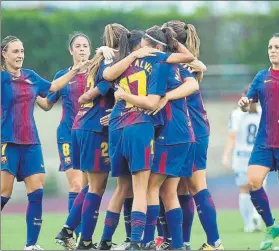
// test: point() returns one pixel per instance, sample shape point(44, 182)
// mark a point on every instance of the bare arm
point(149, 102)
point(244, 104)
point(44, 103)
point(189, 86)
point(61, 82)
point(88, 96)
point(228, 148)
point(183, 55)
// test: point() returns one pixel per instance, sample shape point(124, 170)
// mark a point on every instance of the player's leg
point(153, 209)
point(137, 148)
point(124, 184)
point(263, 159)
point(173, 212)
point(10, 156)
point(127, 215)
point(204, 203)
point(32, 172)
point(187, 205)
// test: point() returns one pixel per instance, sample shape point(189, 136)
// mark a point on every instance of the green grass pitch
point(13, 231)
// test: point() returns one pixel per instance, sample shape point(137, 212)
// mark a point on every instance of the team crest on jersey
point(68, 160)
point(3, 160)
point(107, 161)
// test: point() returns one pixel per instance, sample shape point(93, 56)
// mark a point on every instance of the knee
point(75, 186)
point(167, 195)
point(254, 183)
point(6, 190)
point(182, 188)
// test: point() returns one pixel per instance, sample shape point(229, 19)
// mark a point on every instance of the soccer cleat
point(105, 245)
point(164, 246)
point(123, 245)
point(86, 245)
point(33, 247)
point(159, 240)
point(65, 239)
point(134, 246)
point(186, 246)
point(206, 246)
point(271, 233)
point(148, 246)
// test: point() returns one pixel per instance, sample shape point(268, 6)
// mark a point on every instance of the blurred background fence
point(233, 46)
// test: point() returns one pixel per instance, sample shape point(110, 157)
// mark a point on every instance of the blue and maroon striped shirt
point(265, 87)
point(18, 98)
point(70, 106)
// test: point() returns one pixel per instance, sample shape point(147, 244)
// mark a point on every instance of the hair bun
point(186, 26)
point(128, 34)
point(164, 29)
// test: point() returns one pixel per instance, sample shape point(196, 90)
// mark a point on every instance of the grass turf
point(13, 231)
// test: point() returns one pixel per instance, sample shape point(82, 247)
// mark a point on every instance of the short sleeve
point(253, 89)
point(53, 97)
point(185, 73)
point(43, 84)
point(158, 80)
point(105, 63)
point(162, 56)
point(104, 87)
point(234, 121)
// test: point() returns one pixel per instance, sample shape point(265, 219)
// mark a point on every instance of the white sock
point(246, 208)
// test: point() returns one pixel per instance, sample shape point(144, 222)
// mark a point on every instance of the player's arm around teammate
point(21, 150)
point(265, 154)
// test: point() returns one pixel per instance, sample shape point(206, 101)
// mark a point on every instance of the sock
point(187, 206)
point(4, 201)
point(127, 216)
point(34, 216)
point(138, 220)
point(174, 218)
point(163, 222)
point(207, 214)
point(90, 214)
point(74, 217)
point(246, 208)
point(159, 228)
point(152, 215)
point(261, 203)
point(71, 198)
point(111, 223)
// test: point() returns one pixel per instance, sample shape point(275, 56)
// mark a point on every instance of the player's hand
point(226, 161)
point(107, 52)
point(105, 120)
point(162, 103)
point(119, 94)
point(81, 66)
point(145, 51)
point(83, 99)
point(244, 102)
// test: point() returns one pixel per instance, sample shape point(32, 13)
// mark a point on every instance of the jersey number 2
point(252, 130)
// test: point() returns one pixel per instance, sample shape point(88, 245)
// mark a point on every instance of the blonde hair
point(4, 47)
point(111, 38)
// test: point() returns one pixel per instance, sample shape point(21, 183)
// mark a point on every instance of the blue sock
point(89, 215)
point(159, 228)
point(187, 206)
point(138, 220)
point(4, 201)
point(174, 218)
point(261, 203)
point(207, 214)
point(71, 198)
point(127, 216)
point(74, 217)
point(111, 223)
point(163, 222)
point(152, 215)
point(34, 216)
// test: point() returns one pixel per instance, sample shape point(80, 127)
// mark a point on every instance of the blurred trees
point(230, 39)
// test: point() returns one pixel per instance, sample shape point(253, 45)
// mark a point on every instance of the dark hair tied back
point(128, 35)
point(186, 27)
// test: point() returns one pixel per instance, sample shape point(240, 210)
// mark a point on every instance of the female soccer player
point(241, 137)
point(196, 185)
point(265, 155)
point(90, 146)
point(79, 47)
point(21, 155)
point(131, 131)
